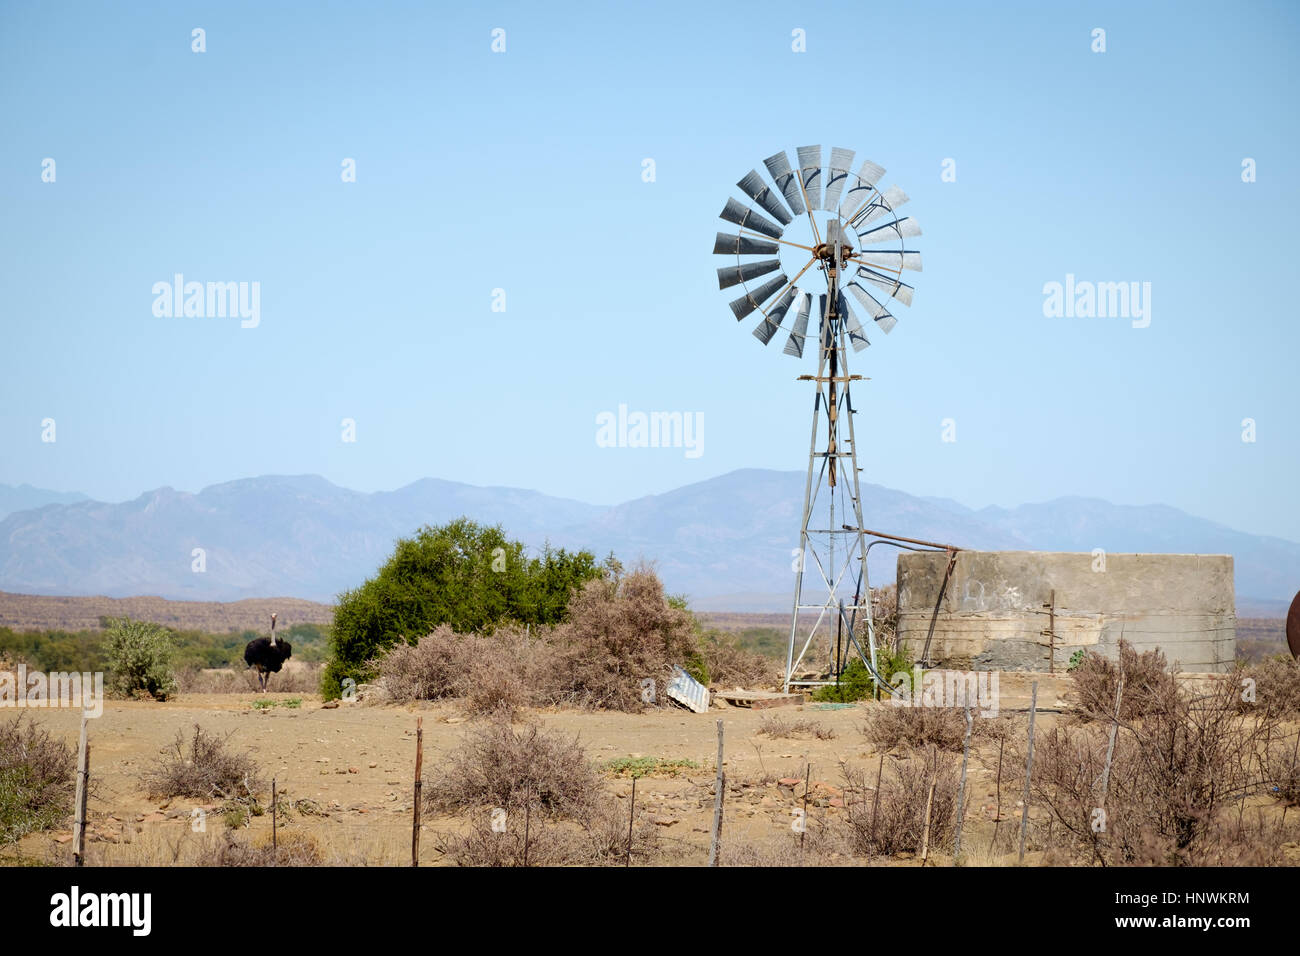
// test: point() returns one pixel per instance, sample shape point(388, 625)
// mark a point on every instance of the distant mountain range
point(726, 542)
point(22, 497)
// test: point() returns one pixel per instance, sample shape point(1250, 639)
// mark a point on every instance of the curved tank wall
point(995, 608)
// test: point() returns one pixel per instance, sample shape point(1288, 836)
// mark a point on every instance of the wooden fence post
point(419, 788)
point(528, 815)
point(1029, 770)
point(721, 785)
point(875, 803)
point(83, 780)
point(929, 803)
point(997, 813)
point(631, 819)
point(961, 788)
point(803, 824)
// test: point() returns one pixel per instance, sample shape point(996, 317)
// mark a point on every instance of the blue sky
point(522, 171)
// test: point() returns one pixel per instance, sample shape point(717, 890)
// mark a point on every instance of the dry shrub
point(896, 823)
point(204, 768)
point(501, 672)
point(1276, 687)
point(432, 669)
point(295, 848)
point(619, 632)
point(37, 779)
point(1177, 786)
point(597, 837)
point(498, 766)
point(913, 727)
point(295, 678)
point(1148, 683)
point(884, 615)
point(730, 665)
point(778, 728)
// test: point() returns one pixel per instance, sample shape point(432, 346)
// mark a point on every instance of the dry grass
point(295, 848)
point(295, 678)
point(1274, 685)
point(204, 767)
point(893, 726)
point(597, 837)
point(782, 728)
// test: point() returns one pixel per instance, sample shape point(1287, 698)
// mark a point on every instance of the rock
point(663, 821)
point(63, 838)
point(789, 781)
point(354, 769)
point(372, 765)
point(329, 705)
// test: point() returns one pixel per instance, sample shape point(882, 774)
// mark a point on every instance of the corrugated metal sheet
point(688, 692)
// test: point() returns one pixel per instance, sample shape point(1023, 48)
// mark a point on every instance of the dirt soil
point(356, 763)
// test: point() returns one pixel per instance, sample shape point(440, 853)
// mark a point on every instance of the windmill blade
point(838, 176)
point(864, 186)
point(897, 290)
point(898, 229)
point(758, 190)
point(727, 244)
point(892, 198)
point(878, 313)
point(734, 275)
point(905, 259)
point(737, 212)
point(778, 167)
point(748, 303)
point(794, 344)
point(772, 321)
point(852, 326)
point(810, 168)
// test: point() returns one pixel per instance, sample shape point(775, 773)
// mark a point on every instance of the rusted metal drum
point(1293, 627)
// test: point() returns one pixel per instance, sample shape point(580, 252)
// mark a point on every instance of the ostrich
point(267, 655)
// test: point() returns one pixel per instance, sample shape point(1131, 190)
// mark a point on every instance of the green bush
point(139, 656)
point(856, 682)
point(463, 574)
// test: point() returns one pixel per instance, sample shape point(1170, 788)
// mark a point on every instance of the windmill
point(833, 221)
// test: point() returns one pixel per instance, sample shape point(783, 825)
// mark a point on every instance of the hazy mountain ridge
point(728, 539)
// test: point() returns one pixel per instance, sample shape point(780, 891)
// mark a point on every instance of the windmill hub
point(826, 252)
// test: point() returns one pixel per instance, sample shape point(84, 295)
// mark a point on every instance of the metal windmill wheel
point(822, 219)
